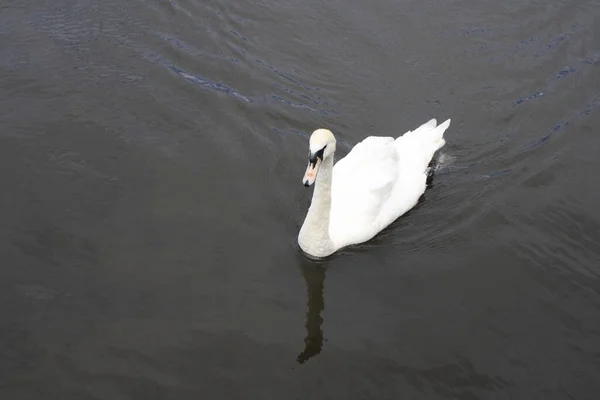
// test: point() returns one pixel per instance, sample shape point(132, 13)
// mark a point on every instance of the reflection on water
point(314, 276)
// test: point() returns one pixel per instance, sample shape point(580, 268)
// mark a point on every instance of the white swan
point(378, 181)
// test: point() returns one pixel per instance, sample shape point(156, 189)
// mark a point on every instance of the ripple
point(560, 75)
point(554, 43)
point(286, 77)
point(497, 174)
point(207, 83)
point(591, 106)
point(564, 72)
point(527, 98)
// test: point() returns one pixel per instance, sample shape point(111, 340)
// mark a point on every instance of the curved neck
point(314, 235)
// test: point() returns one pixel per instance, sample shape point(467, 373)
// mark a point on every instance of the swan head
point(321, 147)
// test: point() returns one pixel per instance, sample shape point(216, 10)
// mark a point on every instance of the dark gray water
point(152, 154)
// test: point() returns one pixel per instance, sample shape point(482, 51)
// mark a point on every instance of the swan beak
point(311, 172)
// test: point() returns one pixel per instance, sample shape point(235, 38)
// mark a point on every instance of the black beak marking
point(312, 158)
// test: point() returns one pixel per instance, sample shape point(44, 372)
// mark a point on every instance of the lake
point(152, 153)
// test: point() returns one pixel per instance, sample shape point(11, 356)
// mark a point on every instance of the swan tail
point(430, 134)
point(437, 134)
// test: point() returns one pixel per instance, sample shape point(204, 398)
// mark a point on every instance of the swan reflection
point(314, 276)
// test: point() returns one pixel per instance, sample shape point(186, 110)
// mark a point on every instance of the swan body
point(378, 181)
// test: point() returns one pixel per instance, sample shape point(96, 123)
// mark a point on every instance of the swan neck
point(314, 235)
point(322, 193)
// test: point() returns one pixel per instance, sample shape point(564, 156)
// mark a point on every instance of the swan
point(377, 182)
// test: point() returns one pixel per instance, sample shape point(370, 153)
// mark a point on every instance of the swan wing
point(362, 182)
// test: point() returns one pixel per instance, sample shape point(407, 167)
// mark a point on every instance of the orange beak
point(311, 173)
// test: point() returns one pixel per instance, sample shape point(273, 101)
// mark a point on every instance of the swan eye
point(312, 158)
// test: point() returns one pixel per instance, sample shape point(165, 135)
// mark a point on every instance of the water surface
point(152, 154)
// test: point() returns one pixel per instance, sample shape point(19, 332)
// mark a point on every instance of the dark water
point(152, 154)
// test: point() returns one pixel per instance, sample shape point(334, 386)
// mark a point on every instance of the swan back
point(379, 180)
